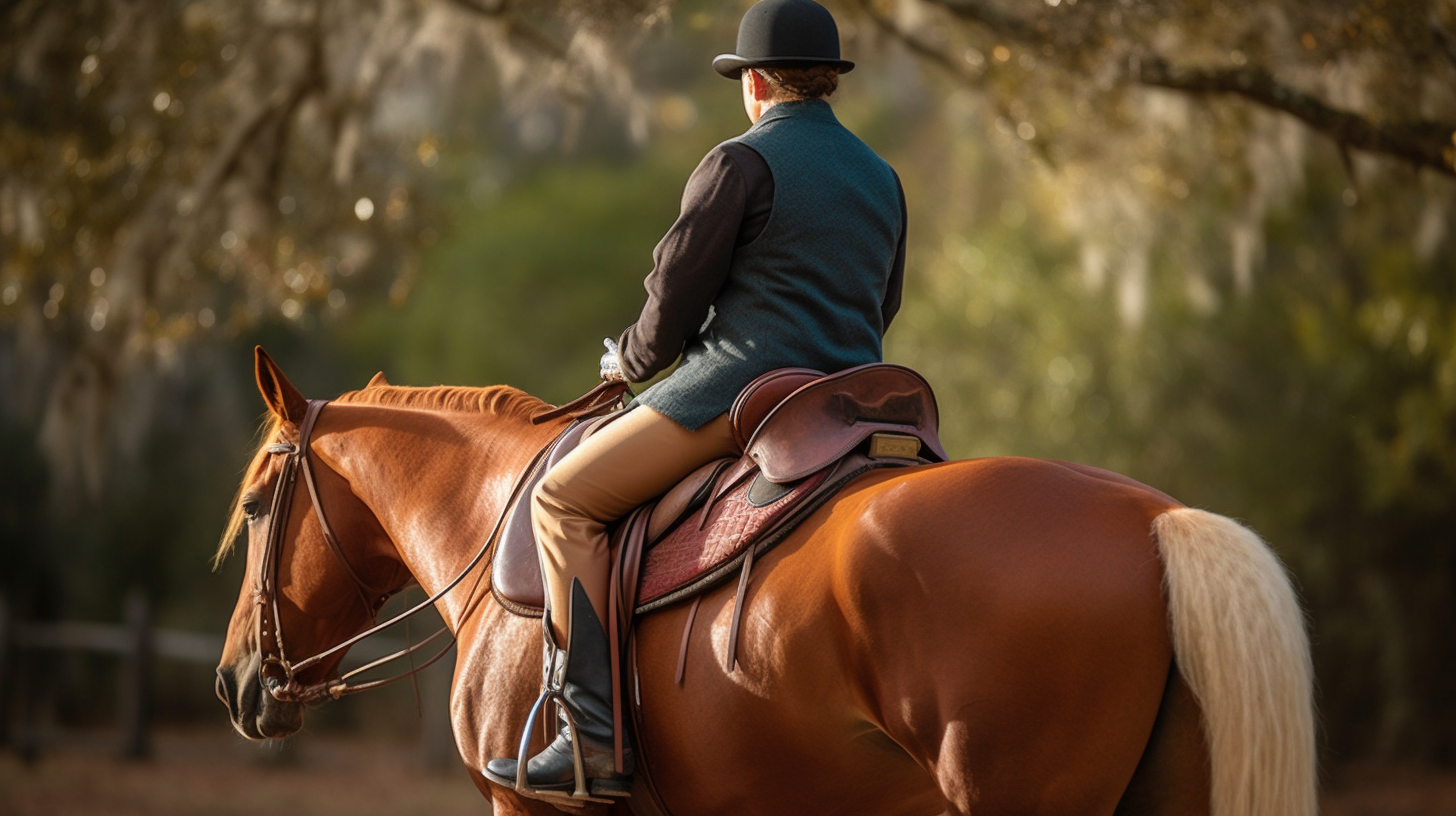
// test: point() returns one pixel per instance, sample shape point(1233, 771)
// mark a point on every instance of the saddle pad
point(713, 535)
point(709, 541)
point(705, 536)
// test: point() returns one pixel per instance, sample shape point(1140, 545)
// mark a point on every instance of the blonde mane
point(496, 400)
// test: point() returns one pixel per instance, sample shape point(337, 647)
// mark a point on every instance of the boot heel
point(613, 788)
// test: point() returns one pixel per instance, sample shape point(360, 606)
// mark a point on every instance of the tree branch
point(957, 68)
point(917, 45)
point(1007, 25)
point(491, 9)
point(1424, 143)
point(274, 110)
point(500, 10)
point(1443, 38)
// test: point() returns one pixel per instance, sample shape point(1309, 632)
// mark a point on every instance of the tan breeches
point(631, 460)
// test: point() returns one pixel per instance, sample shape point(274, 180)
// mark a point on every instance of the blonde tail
point(1240, 643)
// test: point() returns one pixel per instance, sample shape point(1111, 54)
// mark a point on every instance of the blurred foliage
point(1196, 291)
point(524, 289)
point(183, 172)
point(1319, 408)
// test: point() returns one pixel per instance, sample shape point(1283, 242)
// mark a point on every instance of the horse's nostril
point(225, 690)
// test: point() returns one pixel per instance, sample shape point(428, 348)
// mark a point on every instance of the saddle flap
point(515, 573)
point(828, 417)
point(687, 496)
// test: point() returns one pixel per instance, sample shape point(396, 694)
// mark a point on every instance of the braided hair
point(806, 82)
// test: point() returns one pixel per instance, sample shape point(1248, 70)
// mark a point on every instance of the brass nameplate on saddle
point(893, 446)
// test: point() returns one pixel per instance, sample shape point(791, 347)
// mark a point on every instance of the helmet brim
point(729, 65)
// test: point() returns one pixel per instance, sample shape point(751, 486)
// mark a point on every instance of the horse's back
point(980, 542)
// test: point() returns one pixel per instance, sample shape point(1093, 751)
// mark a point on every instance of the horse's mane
point(496, 400)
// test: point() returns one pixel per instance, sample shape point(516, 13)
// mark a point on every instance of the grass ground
point(210, 772)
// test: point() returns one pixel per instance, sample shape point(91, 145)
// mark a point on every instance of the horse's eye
point(250, 508)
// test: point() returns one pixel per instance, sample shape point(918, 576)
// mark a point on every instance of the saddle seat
point(805, 435)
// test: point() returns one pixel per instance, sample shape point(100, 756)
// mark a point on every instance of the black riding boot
point(585, 683)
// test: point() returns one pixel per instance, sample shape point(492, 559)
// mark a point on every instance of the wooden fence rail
point(140, 644)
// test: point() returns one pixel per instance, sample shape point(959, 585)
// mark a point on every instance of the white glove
point(611, 364)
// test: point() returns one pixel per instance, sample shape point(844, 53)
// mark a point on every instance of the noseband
point(277, 673)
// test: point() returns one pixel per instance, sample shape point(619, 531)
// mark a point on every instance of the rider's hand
point(611, 364)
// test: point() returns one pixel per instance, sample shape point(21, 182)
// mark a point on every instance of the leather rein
point(277, 673)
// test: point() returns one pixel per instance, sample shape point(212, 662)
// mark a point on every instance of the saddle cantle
point(805, 435)
point(825, 419)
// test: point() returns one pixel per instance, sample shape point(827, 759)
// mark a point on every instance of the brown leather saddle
point(805, 435)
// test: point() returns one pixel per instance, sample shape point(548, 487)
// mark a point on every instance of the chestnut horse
point(995, 636)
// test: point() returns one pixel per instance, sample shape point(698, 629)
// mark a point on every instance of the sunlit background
point(1206, 244)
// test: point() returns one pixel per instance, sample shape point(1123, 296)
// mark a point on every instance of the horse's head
point(300, 595)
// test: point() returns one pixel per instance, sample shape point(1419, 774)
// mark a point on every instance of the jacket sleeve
point(690, 264)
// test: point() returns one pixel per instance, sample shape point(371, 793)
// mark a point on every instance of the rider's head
point(787, 49)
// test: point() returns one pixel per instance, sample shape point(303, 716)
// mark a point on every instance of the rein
point(276, 672)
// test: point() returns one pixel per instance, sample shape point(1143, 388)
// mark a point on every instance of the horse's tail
point(1239, 641)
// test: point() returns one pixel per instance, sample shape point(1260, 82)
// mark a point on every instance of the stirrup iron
point(582, 792)
point(570, 785)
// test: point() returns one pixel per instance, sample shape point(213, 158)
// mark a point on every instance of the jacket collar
point(816, 109)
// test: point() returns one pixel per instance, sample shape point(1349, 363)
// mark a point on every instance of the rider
point(789, 251)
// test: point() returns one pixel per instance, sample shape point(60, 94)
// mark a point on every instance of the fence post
point(7, 667)
point(137, 685)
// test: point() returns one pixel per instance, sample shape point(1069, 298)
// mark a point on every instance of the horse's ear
point(377, 379)
point(282, 398)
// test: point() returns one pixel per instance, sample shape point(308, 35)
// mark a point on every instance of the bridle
point(277, 673)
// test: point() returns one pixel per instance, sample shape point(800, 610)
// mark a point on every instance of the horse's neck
point(438, 488)
point(438, 483)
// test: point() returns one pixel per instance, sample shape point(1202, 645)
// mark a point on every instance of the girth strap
point(730, 660)
point(682, 652)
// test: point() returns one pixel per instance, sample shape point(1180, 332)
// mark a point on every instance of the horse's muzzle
point(254, 712)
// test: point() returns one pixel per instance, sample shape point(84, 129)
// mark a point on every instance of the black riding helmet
point(784, 32)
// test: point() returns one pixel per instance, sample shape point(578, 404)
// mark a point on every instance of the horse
point(988, 636)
